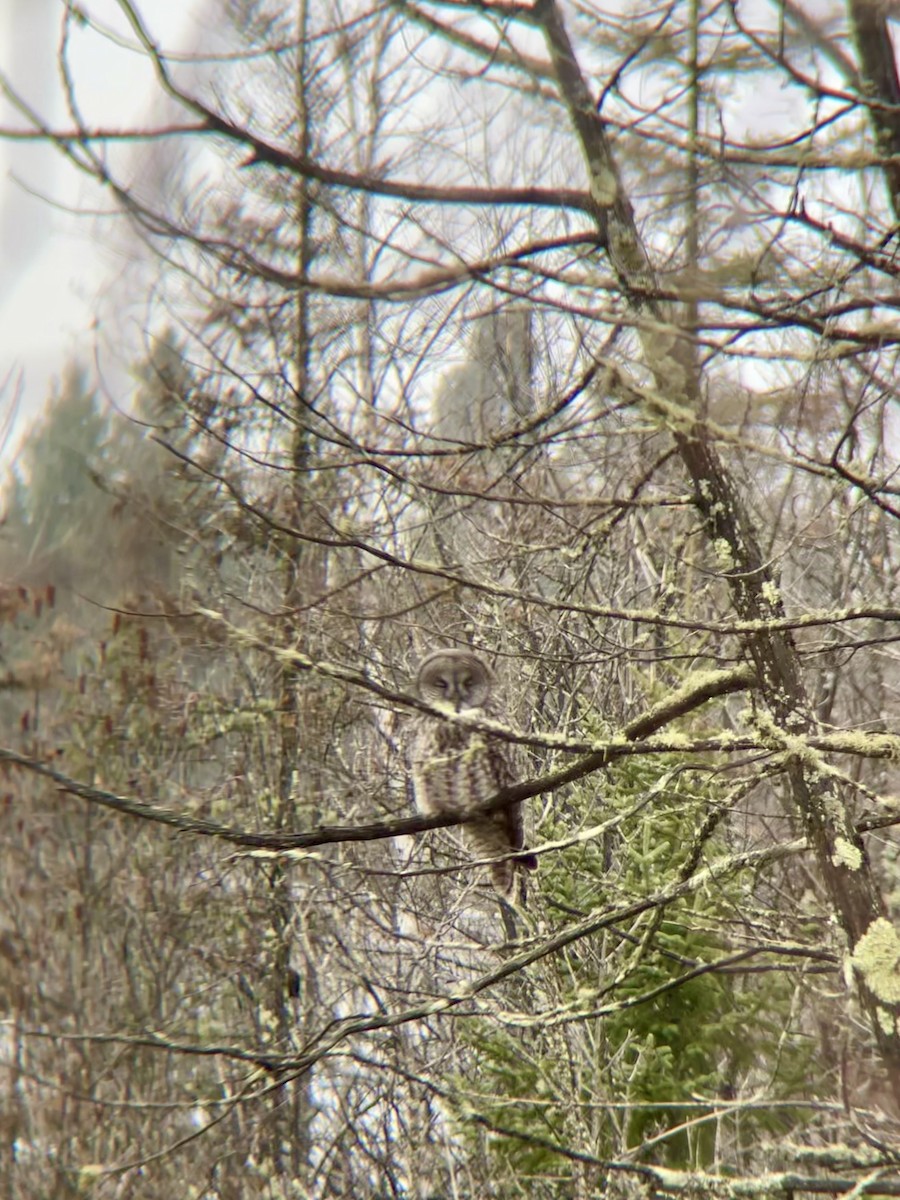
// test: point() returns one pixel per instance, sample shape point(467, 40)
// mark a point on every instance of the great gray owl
point(454, 769)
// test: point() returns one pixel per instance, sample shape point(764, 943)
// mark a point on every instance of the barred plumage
point(455, 769)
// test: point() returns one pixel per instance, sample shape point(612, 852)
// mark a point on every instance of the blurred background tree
point(402, 387)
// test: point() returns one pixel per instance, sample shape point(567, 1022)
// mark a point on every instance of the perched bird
point(455, 769)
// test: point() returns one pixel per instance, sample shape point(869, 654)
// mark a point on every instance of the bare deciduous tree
point(566, 333)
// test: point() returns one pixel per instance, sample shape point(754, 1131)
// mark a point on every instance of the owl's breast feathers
point(454, 771)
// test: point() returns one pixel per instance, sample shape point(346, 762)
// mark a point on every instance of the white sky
point(55, 265)
point(56, 268)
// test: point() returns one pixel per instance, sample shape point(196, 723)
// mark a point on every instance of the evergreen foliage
point(671, 1021)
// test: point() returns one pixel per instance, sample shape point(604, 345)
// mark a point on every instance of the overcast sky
point(60, 274)
point(56, 266)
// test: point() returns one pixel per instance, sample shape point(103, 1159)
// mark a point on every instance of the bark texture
point(818, 800)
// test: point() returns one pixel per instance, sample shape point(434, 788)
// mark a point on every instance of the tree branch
point(840, 852)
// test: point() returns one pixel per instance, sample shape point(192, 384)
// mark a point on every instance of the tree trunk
point(840, 854)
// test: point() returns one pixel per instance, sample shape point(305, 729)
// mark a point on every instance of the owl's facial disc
point(454, 678)
point(467, 690)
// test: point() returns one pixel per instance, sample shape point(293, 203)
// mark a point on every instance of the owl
point(454, 769)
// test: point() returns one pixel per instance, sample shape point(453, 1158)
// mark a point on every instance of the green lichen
point(604, 185)
point(846, 854)
point(669, 740)
point(877, 959)
point(724, 556)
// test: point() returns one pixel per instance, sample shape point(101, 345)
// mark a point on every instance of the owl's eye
point(442, 683)
point(466, 682)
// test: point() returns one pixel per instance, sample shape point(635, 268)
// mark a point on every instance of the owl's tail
point(503, 877)
point(503, 874)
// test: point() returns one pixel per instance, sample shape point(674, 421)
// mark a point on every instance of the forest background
point(564, 332)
